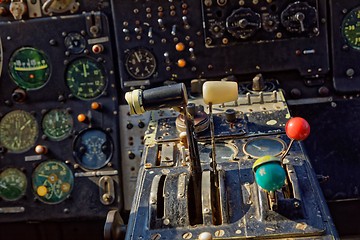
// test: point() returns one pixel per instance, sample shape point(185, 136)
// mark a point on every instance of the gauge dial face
point(86, 78)
point(12, 184)
point(75, 43)
point(52, 182)
point(140, 63)
point(262, 146)
point(93, 148)
point(57, 124)
point(224, 152)
point(18, 131)
point(351, 28)
point(29, 68)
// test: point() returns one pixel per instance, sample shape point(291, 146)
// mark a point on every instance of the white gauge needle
point(137, 57)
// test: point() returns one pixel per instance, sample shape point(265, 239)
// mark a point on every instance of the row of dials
point(19, 130)
point(30, 69)
point(52, 182)
point(254, 148)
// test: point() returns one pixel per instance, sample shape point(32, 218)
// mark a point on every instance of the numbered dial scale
point(93, 148)
point(57, 124)
point(351, 28)
point(52, 182)
point(12, 184)
point(18, 131)
point(29, 68)
point(86, 78)
point(140, 63)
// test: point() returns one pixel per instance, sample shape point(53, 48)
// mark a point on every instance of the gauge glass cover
point(75, 43)
point(29, 68)
point(93, 149)
point(57, 124)
point(224, 152)
point(12, 184)
point(262, 146)
point(350, 28)
point(85, 78)
point(52, 182)
point(18, 131)
point(140, 63)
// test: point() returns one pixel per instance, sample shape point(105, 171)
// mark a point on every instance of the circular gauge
point(57, 124)
point(140, 63)
point(75, 43)
point(350, 28)
point(18, 131)
point(52, 181)
point(262, 146)
point(86, 78)
point(93, 148)
point(224, 152)
point(12, 184)
point(29, 68)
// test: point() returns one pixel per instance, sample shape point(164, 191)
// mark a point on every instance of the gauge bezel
point(64, 136)
point(275, 139)
point(128, 70)
point(72, 183)
point(342, 28)
point(23, 191)
point(75, 155)
point(69, 37)
point(33, 120)
point(100, 66)
point(231, 146)
point(20, 81)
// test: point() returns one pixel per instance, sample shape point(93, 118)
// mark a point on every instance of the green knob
point(269, 174)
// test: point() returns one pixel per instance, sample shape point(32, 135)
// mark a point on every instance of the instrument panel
point(58, 129)
point(174, 41)
point(69, 148)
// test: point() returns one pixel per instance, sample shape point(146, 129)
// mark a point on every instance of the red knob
point(297, 128)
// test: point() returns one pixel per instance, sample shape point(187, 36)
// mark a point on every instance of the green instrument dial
point(18, 131)
point(52, 182)
point(12, 184)
point(29, 68)
point(86, 78)
point(57, 124)
point(351, 28)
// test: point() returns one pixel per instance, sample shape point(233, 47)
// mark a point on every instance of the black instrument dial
point(86, 78)
point(75, 43)
point(350, 28)
point(140, 63)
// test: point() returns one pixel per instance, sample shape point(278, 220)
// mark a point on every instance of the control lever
point(216, 92)
point(269, 171)
point(174, 96)
point(298, 129)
